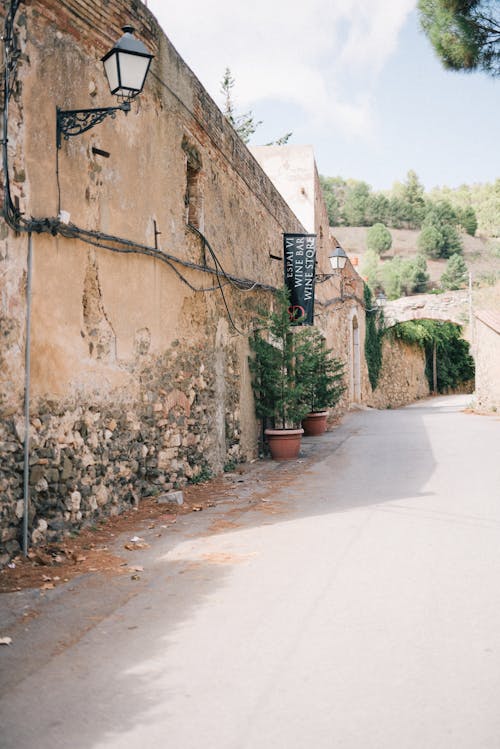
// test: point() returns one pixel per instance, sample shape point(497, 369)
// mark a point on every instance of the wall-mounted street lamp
point(126, 67)
point(337, 258)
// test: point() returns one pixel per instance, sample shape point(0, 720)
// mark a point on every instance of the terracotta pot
point(284, 443)
point(315, 423)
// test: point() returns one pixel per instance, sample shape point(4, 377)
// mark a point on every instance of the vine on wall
point(373, 337)
point(442, 343)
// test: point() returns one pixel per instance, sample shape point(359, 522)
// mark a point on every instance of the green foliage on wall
point(373, 337)
point(454, 363)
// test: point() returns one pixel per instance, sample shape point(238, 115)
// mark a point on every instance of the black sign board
point(300, 263)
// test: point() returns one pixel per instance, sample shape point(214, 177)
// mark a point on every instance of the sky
point(357, 80)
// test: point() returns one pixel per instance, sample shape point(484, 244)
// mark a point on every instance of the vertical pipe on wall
point(27, 371)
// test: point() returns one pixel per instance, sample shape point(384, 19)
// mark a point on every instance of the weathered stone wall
point(139, 381)
point(402, 378)
point(487, 359)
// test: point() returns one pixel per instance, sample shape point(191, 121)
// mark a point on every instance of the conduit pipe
point(27, 382)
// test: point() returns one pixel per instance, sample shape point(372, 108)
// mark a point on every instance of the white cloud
point(323, 55)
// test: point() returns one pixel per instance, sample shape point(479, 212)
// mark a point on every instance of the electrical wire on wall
point(113, 243)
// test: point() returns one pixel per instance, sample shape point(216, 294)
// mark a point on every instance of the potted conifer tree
point(280, 350)
point(323, 383)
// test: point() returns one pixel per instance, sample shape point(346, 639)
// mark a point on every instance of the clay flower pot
point(284, 443)
point(314, 423)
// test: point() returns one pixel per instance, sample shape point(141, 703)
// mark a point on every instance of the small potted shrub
point(279, 350)
point(323, 383)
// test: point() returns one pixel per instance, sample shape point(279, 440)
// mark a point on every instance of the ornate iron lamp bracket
point(72, 122)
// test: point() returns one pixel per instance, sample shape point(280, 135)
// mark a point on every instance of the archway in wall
point(355, 362)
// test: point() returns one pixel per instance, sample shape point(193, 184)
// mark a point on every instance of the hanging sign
point(300, 264)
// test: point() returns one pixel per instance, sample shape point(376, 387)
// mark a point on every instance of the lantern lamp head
point(126, 65)
point(337, 258)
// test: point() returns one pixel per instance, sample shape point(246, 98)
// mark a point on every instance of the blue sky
point(357, 80)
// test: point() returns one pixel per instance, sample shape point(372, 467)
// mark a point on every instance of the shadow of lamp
point(126, 66)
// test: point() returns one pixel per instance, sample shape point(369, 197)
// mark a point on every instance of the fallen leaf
point(135, 577)
point(47, 586)
point(46, 578)
point(197, 508)
point(5, 640)
point(136, 546)
point(137, 568)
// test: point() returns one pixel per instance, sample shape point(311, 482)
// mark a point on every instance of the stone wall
point(487, 359)
point(139, 375)
point(402, 377)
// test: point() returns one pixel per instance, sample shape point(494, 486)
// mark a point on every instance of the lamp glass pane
point(110, 68)
point(133, 69)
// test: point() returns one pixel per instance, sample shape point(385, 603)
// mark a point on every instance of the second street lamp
point(337, 258)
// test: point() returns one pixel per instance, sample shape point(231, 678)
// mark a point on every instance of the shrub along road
point(349, 599)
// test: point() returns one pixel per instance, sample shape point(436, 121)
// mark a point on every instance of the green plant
point(321, 374)
point(455, 274)
point(378, 238)
point(373, 337)
point(278, 347)
point(204, 474)
point(442, 340)
point(229, 466)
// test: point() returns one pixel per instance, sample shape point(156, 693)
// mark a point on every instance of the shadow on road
point(374, 457)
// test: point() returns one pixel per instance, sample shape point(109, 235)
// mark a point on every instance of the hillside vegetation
point(350, 202)
point(407, 242)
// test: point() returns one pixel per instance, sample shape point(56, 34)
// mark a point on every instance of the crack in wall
point(98, 330)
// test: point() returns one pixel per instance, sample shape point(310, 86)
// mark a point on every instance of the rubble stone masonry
point(402, 377)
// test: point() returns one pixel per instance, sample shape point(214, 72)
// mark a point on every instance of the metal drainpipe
point(27, 370)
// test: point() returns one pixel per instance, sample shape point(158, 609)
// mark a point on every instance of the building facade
point(134, 260)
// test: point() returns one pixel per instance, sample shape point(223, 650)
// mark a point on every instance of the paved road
point(358, 609)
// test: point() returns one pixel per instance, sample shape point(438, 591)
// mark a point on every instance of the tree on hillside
point(370, 268)
point(354, 213)
point(455, 275)
point(468, 220)
point(379, 239)
point(417, 279)
point(483, 199)
point(377, 209)
point(465, 34)
point(244, 124)
point(408, 204)
point(439, 236)
point(404, 276)
point(333, 189)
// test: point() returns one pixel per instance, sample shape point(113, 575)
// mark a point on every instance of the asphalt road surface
point(357, 607)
